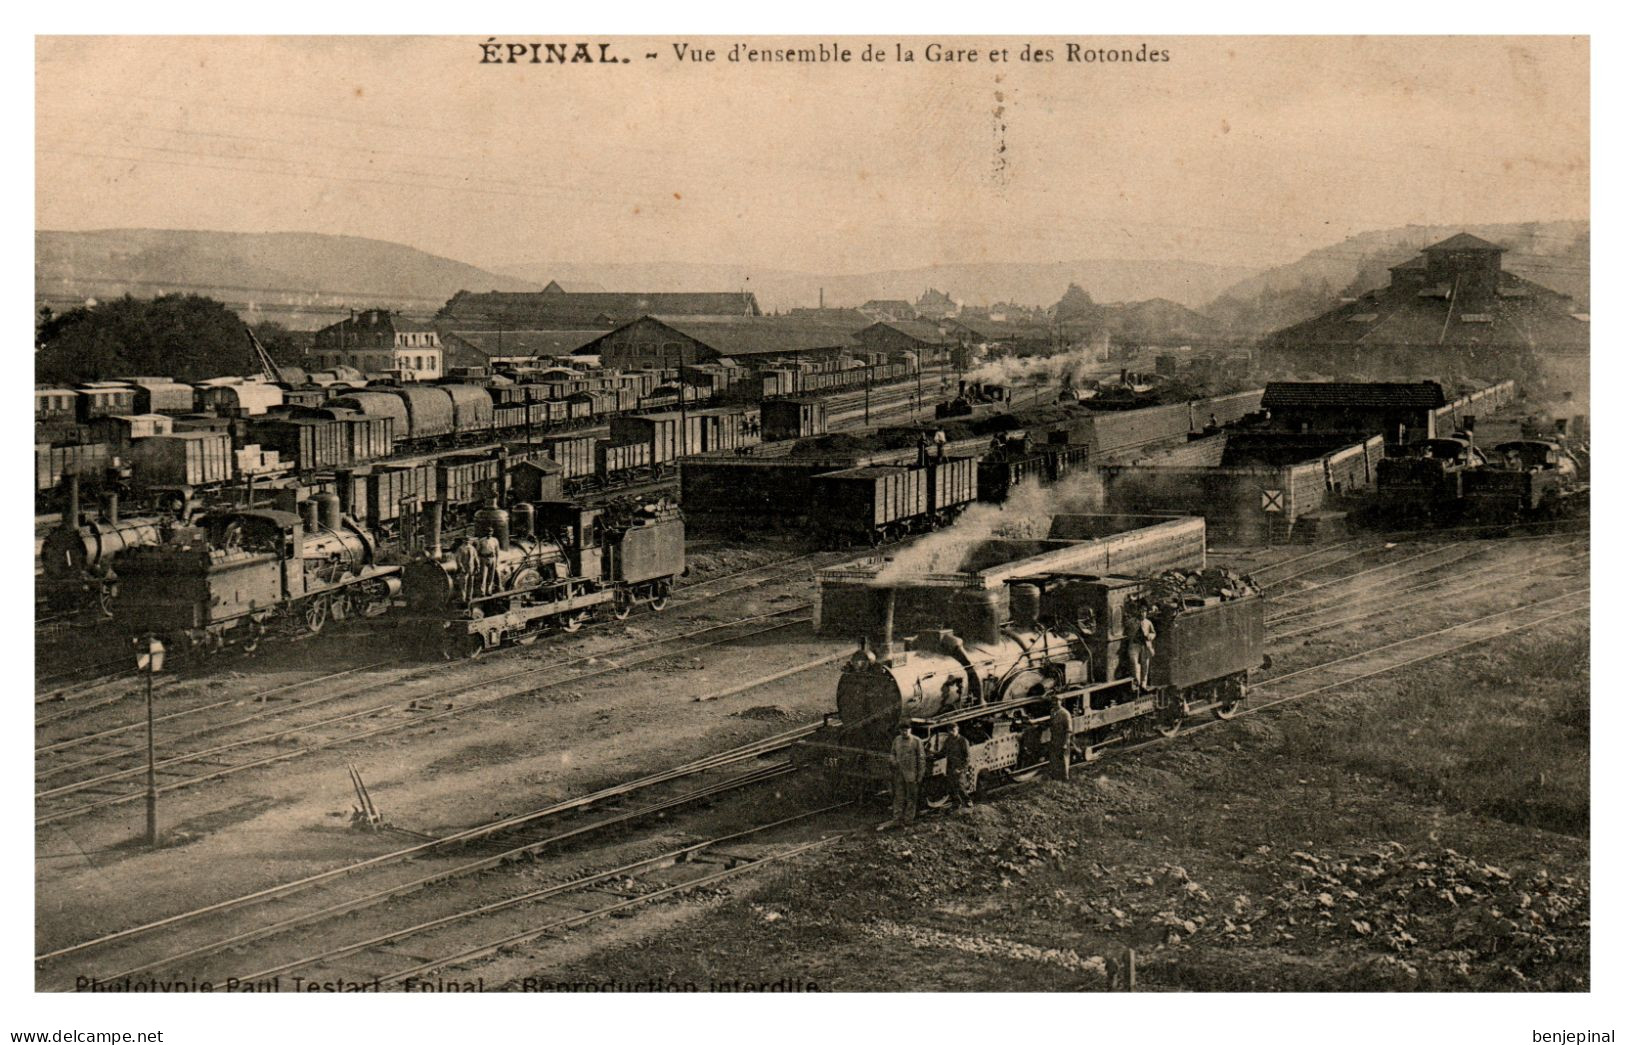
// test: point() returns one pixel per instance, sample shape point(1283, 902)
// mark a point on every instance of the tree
point(183, 336)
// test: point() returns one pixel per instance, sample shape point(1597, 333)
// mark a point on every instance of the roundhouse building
point(1451, 312)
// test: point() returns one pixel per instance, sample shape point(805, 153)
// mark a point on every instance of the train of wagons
point(1068, 636)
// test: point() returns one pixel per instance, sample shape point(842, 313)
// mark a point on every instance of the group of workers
point(477, 566)
point(909, 763)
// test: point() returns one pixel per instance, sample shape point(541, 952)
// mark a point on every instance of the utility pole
point(150, 658)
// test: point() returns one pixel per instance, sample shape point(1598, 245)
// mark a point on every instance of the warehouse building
point(1452, 311)
point(659, 342)
point(926, 340)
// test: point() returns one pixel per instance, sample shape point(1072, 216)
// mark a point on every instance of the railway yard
point(618, 805)
point(477, 707)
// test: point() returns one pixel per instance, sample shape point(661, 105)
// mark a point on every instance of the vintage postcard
point(607, 514)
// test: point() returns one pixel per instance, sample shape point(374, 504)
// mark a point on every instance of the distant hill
point(1188, 283)
point(1556, 254)
point(300, 279)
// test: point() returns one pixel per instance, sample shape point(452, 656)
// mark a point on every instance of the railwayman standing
point(907, 766)
point(957, 748)
point(468, 565)
point(489, 549)
point(1142, 646)
point(1060, 739)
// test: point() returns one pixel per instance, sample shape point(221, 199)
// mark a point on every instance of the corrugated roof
point(1421, 395)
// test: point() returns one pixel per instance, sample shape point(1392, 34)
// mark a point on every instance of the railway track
point(120, 774)
point(684, 868)
point(329, 894)
point(688, 593)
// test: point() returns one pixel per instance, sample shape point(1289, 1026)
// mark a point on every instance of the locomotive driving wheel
point(623, 605)
point(1232, 695)
point(315, 615)
point(658, 603)
point(571, 622)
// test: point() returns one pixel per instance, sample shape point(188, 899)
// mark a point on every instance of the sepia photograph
point(605, 514)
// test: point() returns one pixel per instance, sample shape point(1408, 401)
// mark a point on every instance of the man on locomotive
point(908, 765)
point(489, 548)
point(1142, 646)
point(468, 565)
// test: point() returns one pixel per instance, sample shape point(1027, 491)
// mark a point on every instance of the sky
point(1236, 150)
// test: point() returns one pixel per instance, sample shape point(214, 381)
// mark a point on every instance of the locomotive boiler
point(1068, 635)
point(556, 564)
point(235, 576)
point(76, 558)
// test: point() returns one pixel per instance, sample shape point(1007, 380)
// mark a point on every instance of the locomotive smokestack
point(308, 515)
point(71, 516)
point(345, 481)
point(436, 519)
point(885, 618)
point(110, 507)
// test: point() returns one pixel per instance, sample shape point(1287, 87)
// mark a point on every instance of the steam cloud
point(1026, 515)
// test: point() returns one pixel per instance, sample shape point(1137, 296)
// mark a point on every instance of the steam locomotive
point(1068, 634)
point(557, 564)
point(235, 576)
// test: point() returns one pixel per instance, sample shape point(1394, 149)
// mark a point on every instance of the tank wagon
point(236, 577)
point(558, 564)
point(1067, 635)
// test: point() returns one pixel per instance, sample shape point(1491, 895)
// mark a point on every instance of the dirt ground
point(1225, 860)
point(1377, 842)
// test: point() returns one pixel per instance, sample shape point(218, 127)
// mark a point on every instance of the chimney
point(70, 516)
point(110, 507)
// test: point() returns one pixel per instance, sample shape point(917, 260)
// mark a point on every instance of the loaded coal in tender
point(1175, 589)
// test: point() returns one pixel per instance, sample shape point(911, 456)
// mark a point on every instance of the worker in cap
point(1060, 739)
point(489, 548)
point(1142, 647)
point(468, 568)
point(908, 766)
point(957, 749)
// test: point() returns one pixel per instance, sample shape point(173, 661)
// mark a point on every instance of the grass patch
point(1501, 730)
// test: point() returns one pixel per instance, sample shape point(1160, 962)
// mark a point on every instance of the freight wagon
point(174, 468)
point(120, 430)
point(794, 418)
point(238, 398)
point(103, 399)
point(88, 461)
point(160, 395)
point(880, 503)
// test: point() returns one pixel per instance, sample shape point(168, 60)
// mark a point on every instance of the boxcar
point(181, 460)
point(794, 418)
point(573, 453)
point(104, 400)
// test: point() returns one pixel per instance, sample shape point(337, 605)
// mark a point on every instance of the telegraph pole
point(151, 660)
